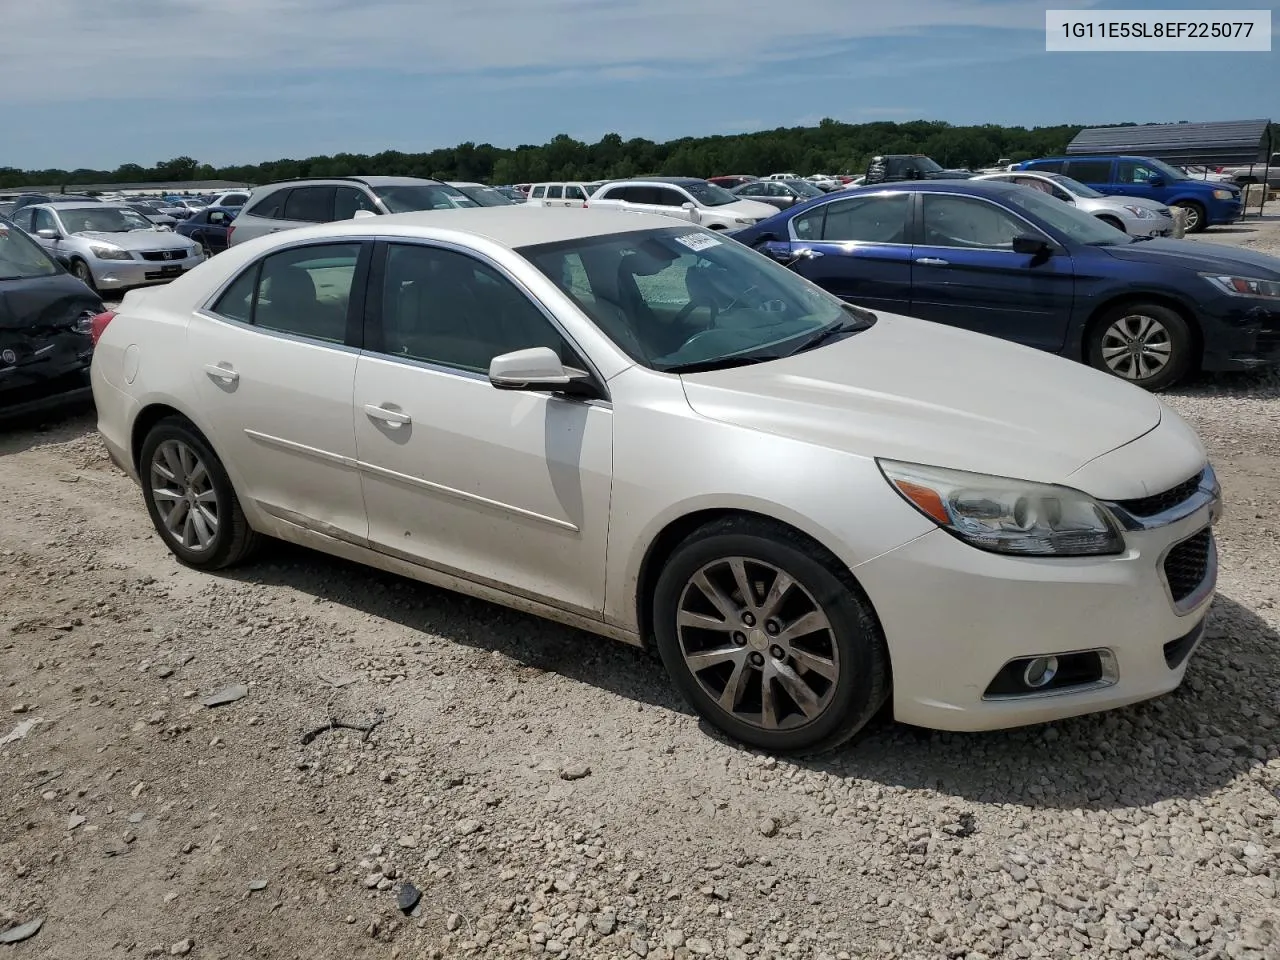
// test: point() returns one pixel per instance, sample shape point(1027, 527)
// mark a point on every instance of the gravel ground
point(546, 793)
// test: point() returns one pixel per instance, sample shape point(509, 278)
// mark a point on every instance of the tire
point(1113, 222)
point(840, 666)
point(179, 450)
point(80, 270)
point(1161, 330)
point(1196, 220)
point(206, 250)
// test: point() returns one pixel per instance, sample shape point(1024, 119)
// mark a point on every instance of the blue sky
point(97, 83)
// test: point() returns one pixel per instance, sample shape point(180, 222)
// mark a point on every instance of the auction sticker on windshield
point(697, 241)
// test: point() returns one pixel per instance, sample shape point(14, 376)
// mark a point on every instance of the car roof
point(80, 205)
point(978, 187)
point(678, 181)
point(509, 226)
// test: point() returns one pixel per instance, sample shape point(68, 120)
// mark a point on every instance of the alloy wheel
point(758, 643)
point(1137, 347)
point(1192, 221)
point(184, 495)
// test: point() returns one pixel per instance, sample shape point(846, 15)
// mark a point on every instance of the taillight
point(99, 324)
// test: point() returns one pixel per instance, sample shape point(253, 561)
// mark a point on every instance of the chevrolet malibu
point(658, 435)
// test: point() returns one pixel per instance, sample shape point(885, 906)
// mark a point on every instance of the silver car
point(1136, 216)
point(109, 246)
point(301, 203)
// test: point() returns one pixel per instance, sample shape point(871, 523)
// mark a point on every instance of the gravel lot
point(547, 793)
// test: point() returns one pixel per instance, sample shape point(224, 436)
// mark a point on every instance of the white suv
point(686, 198)
point(562, 194)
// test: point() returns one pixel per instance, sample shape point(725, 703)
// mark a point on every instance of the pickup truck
point(909, 166)
point(1246, 174)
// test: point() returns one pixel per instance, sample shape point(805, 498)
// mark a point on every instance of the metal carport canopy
point(1219, 143)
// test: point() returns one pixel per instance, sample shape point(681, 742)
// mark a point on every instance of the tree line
point(829, 147)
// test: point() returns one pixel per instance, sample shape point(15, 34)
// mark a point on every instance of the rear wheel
point(190, 498)
point(766, 641)
point(1196, 220)
point(1145, 343)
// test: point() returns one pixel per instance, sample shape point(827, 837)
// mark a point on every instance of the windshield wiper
point(717, 363)
point(861, 320)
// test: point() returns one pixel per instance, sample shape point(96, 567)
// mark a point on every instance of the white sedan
point(652, 433)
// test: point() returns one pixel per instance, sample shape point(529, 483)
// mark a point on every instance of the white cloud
point(131, 49)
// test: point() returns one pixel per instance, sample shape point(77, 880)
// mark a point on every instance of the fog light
point(1040, 672)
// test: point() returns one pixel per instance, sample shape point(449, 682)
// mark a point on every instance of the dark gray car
point(779, 193)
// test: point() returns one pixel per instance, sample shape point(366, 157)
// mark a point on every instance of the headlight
point(746, 220)
point(1007, 516)
point(1142, 213)
point(1224, 194)
point(1245, 286)
point(110, 253)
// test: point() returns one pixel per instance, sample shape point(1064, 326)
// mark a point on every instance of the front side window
point(25, 218)
point(574, 192)
point(304, 291)
point(1068, 220)
point(21, 258)
point(753, 190)
point(881, 218)
point(347, 200)
point(444, 307)
point(677, 297)
point(538, 192)
point(708, 194)
point(1130, 171)
point(951, 220)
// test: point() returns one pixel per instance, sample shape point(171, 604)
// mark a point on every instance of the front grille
point(1160, 502)
point(161, 275)
point(1187, 564)
point(156, 255)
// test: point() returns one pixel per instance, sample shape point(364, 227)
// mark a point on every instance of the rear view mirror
point(536, 369)
point(1032, 246)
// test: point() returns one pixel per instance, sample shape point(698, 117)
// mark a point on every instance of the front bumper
point(124, 274)
point(953, 616)
point(1149, 227)
point(66, 388)
point(1240, 333)
point(1223, 212)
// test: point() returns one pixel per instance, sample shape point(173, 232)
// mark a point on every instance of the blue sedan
point(1012, 262)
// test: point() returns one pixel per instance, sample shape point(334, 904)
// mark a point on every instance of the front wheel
point(190, 498)
point(765, 641)
point(80, 270)
point(1196, 219)
point(1145, 343)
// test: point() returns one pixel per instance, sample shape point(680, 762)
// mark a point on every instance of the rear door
point(859, 249)
point(965, 273)
point(273, 364)
point(1098, 174)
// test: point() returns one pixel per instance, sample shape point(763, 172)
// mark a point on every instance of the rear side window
point(881, 219)
point(554, 193)
point(1089, 171)
point(271, 207)
point(234, 199)
point(310, 204)
point(304, 291)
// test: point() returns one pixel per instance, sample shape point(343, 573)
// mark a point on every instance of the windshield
point(676, 296)
point(487, 196)
point(103, 220)
point(1067, 220)
point(709, 195)
point(1168, 172)
point(403, 198)
point(805, 188)
point(21, 257)
point(927, 165)
point(1075, 186)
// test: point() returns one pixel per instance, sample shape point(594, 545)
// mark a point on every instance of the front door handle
point(220, 372)
point(808, 253)
point(933, 261)
point(392, 417)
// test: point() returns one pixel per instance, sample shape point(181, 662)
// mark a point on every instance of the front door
point(273, 362)
point(965, 273)
point(506, 488)
point(858, 249)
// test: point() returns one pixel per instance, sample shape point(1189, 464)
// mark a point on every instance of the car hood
point(747, 208)
point(48, 303)
point(138, 239)
point(1201, 257)
point(912, 390)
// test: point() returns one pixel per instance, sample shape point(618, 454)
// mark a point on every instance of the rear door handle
point(933, 261)
point(220, 372)
point(392, 417)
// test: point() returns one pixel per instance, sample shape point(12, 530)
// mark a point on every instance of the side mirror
point(47, 234)
point(1032, 246)
point(361, 214)
point(536, 368)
